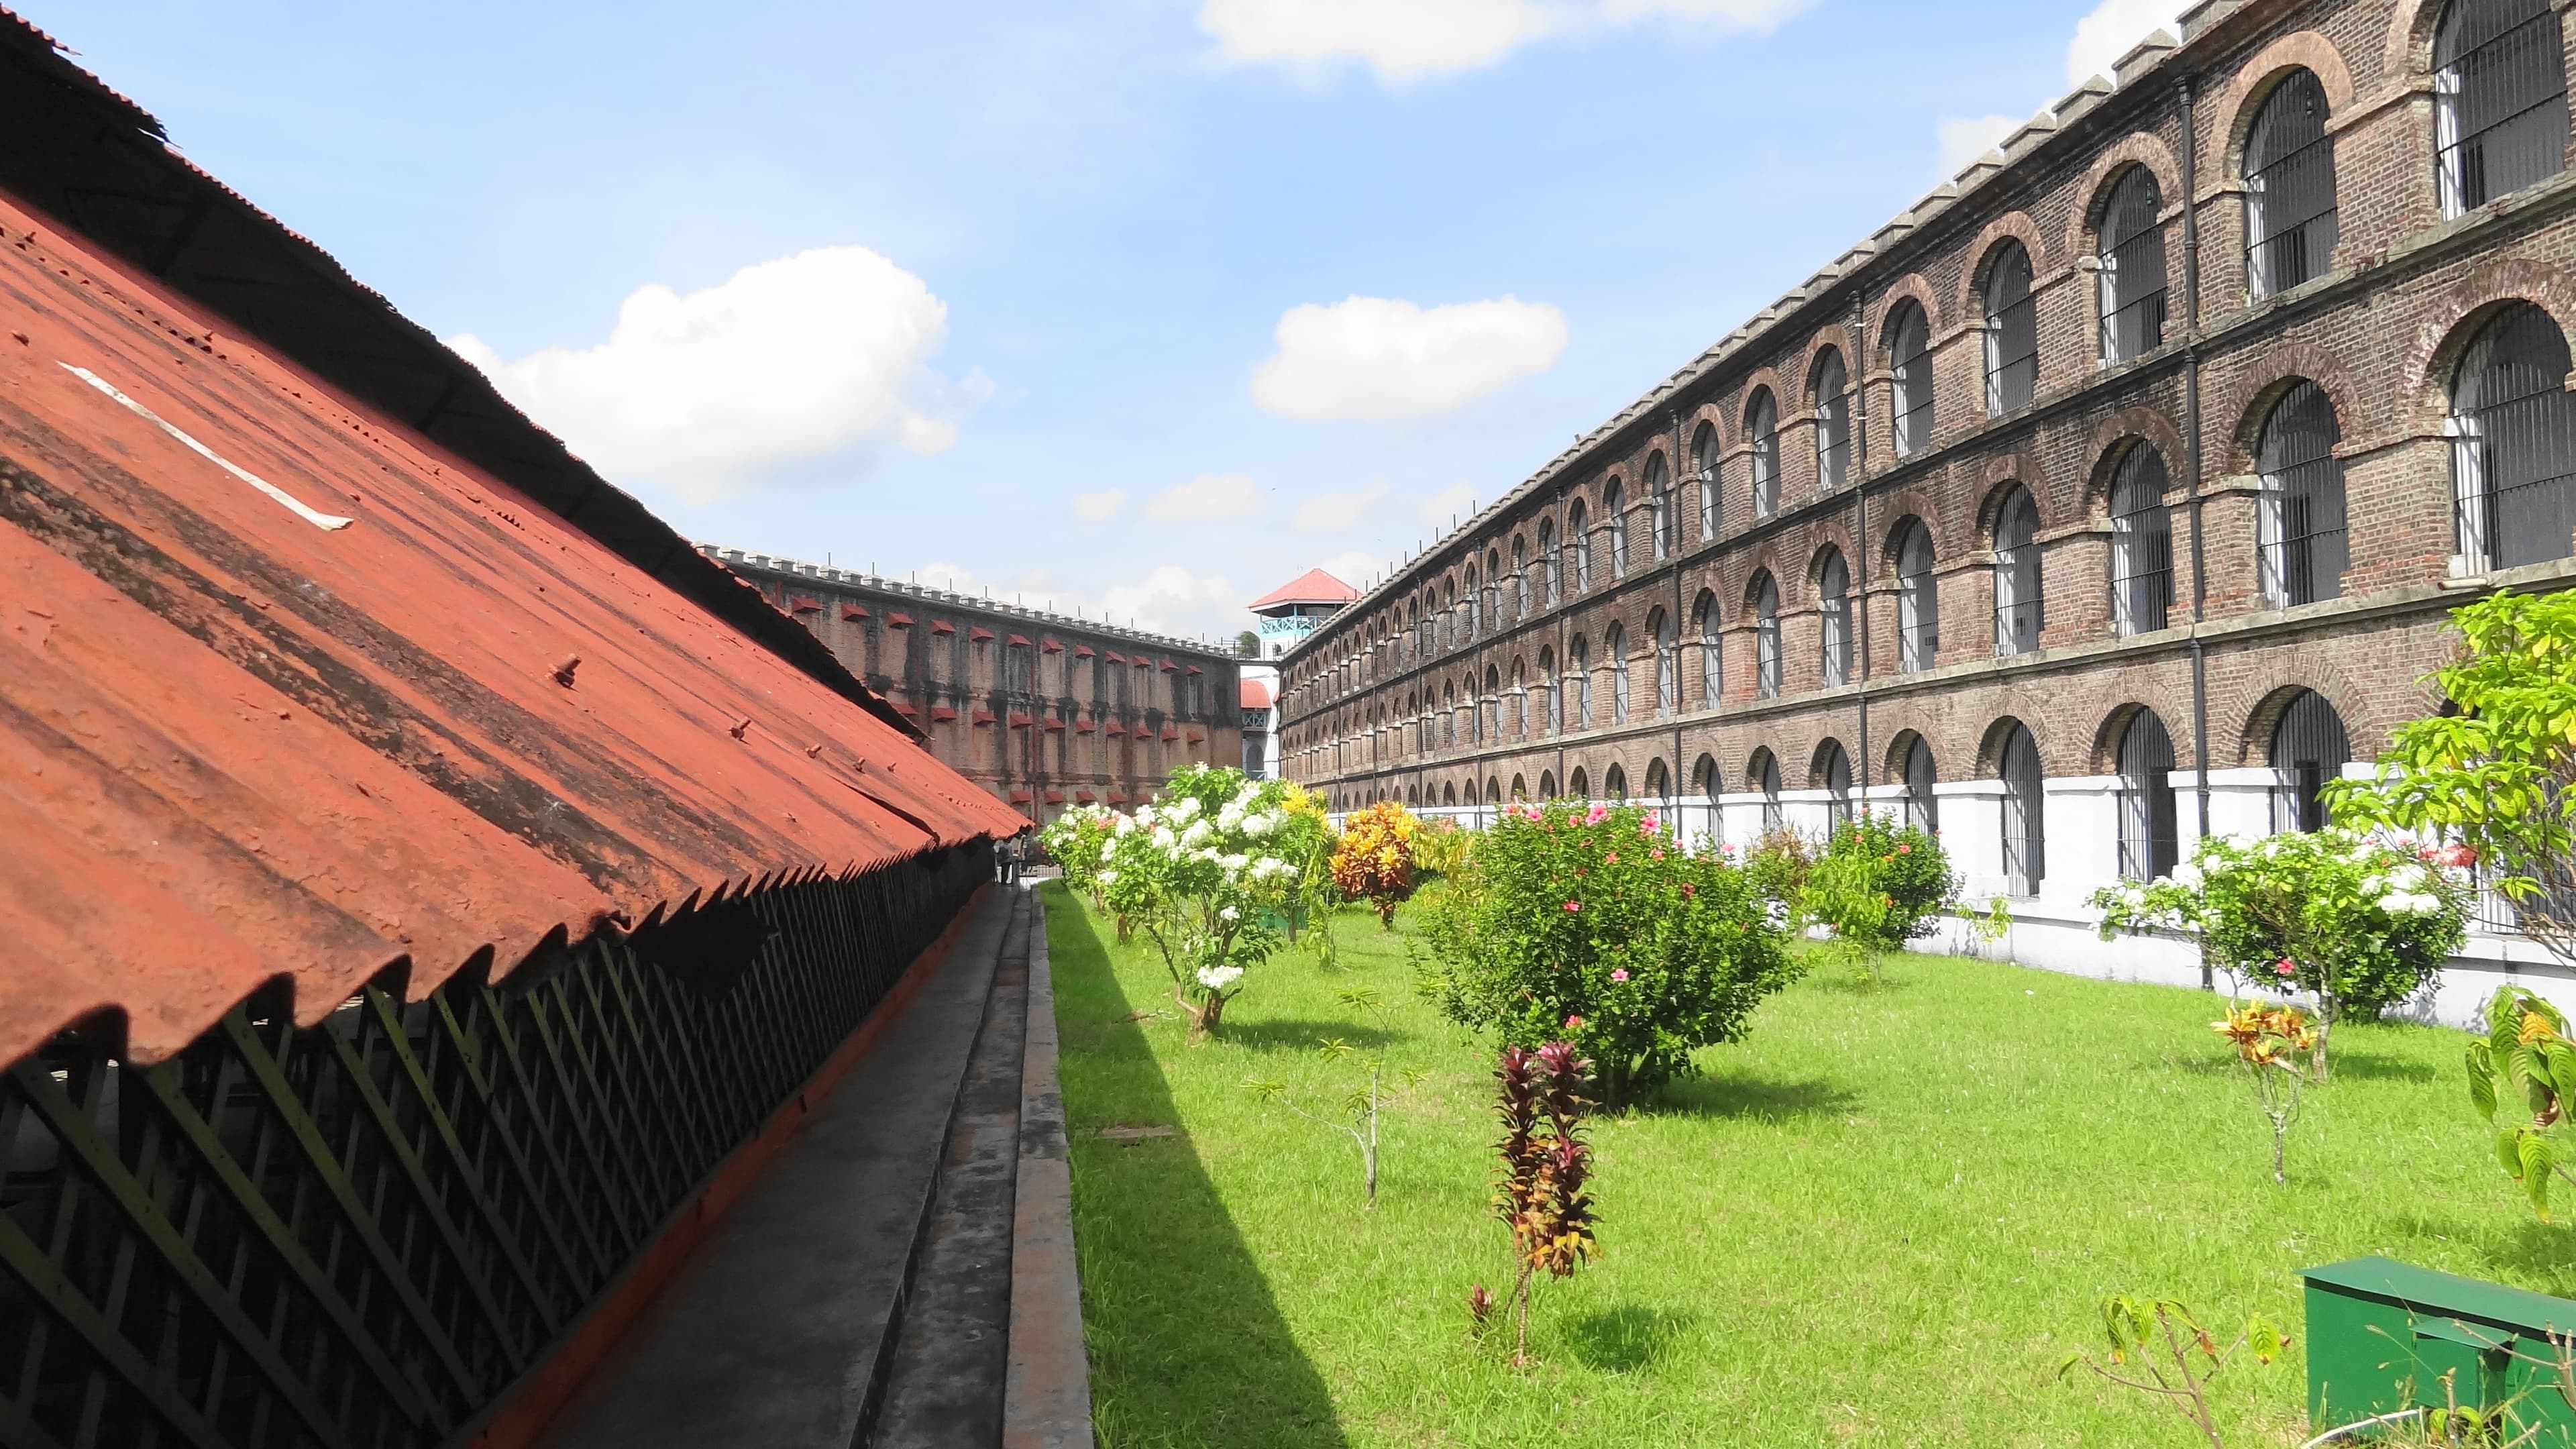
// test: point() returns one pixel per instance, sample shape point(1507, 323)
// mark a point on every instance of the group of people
point(1011, 856)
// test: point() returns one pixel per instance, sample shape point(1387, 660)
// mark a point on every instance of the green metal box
point(2385, 1336)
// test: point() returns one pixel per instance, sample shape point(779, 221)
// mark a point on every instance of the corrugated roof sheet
point(1314, 586)
point(236, 742)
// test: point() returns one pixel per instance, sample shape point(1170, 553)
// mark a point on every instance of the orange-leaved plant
point(1542, 1193)
point(2524, 1058)
point(2265, 1036)
point(1374, 861)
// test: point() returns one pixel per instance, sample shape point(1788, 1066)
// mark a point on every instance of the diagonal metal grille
point(363, 1232)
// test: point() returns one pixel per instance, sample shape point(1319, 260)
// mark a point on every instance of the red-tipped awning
point(1082, 651)
point(804, 604)
point(977, 633)
point(853, 611)
point(1050, 646)
point(898, 621)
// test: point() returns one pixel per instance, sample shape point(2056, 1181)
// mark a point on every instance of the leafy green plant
point(1078, 842)
point(1359, 1114)
point(1879, 884)
point(1991, 929)
point(2158, 1348)
point(2264, 1036)
point(1374, 859)
point(2360, 922)
point(2522, 1077)
point(1777, 867)
point(1194, 872)
point(1543, 1190)
point(1588, 923)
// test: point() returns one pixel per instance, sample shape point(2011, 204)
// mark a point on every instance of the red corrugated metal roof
point(1254, 694)
point(1081, 651)
point(853, 611)
point(1314, 586)
point(236, 745)
point(898, 621)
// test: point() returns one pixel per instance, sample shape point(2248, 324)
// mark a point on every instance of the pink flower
point(1620, 974)
point(1599, 814)
point(1574, 905)
point(2285, 967)
point(1573, 1023)
point(1657, 854)
point(1650, 824)
point(1688, 889)
point(2457, 856)
point(1611, 859)
point(1905, 850)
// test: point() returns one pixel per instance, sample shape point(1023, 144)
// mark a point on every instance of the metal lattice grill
point(2304, 542)
point(2012, 331)
point(1910, 380)
point(2133, 268)
point(2290, 204)
point(2500, 80)
point(2513, 455)
point(363, 1232)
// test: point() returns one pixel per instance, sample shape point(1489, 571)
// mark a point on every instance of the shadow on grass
point(1186, 1342)
point(2347, 1061)
point(2541, 1256)
point(1623, 1340)
point(1289, 1033)
point(1759, 1101)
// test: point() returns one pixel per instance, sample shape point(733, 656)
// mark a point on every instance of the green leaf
point(2481, 1065)
point(2508, 1153)
point(2535, 1155)
point(2263, 1340)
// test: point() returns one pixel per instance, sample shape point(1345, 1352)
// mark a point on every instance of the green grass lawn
point(1883, 1218)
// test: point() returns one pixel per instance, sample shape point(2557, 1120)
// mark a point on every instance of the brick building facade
point(1043, 710)
point(2073, 517)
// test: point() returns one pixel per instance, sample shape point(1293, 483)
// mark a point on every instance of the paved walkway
point(901, 1275)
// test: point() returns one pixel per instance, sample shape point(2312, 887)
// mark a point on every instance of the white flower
point(1218, 978)
point(1109, 877)
point(2187, 875)
point(1259, 825)
point(1229, 914)
point(1198, 833)
point(1234, 862)
point(1183, 808)
point(1164, 839)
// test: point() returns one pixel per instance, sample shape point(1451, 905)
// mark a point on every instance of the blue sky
point(1055, 298)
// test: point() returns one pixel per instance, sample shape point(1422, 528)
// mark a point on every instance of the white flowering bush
point(1197, 872)
point(1078, 842)
point(2358, 922)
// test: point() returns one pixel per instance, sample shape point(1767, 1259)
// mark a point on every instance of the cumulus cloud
point(1207, 498)
point(1337, 512)
point(1355, 567)
point(1099, 507)
point(1408, 40)
point(1176, 600)
point(1381, 357)
point(1965, 138)
point(717, 391)
point(1453, 500)
point(2106, 33)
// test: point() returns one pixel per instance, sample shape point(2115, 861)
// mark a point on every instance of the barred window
point(1833, 618)
point(2141, 542)
point(2018, 617)
point(1766, 638)
point(2301, 520)
point(1614, 782)
point(1765, 770)
point(1614, 520)
point(1659, 514)
point(1659, 781)
point(2149, 843)
point(1829, 390)
point(2025, 814)
point(1922, 806)
point(1918, 602)
point(1578, 542)
point(1704, 780)
point(1762, 431)
point(1551, 704)
point(2012, 331)
point(1578, 683)
point(1548, 564)
point(1475, 610)
point(2133, 267)
point(2289, 188)
point(1580, 784)
point(1520, 698)
point(2500, 94)
point(2309, 747)
point(1704, 468)
point(1668, 666)
point(1909, 351)
point(1520, 580)
point(1614, 652)
point(1834, 776)
point(2513, 442)
point(1712, 676)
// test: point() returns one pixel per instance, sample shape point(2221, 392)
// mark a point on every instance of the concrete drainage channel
point(903, 1274)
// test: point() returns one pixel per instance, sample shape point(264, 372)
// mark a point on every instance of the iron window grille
point(1910, 383)
point(2141, 543)
point(2012, 331)
point(1766, 641)
point(1578, 539)
point(2304, 546)
point(2133, 268)
point(1659, 509)
point(1766, 775)
point(1704, 467)
point(2025, 831)
point(1712, 674)
point(1615, 655)
point(1668, 670)
point(2018, 600)
point(1922, 805)
point(2289, 188)
point(1833, 619)
point(2309, 747)
point(2150, 845)
point(1762, 430)
point(1614, 521)
point(1918, 604)
point(2513, 446)
point(1833, 422)
point(2500, 99)
point(1578, 679)
point(1835, 774)
point(363, 1233)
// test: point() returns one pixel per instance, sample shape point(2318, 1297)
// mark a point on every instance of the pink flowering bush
point(1592, 924)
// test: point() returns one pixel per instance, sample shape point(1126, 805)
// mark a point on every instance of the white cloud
point(1207, 498)
point(1337, 512)
point(1406, 40)
point(1965, 138)
point(1174, 599)
point(715, 392)
point(2113, 26)
point(1099, 507)
point(1381, 357)
point(1453, 500)
point(1354, 567)
point(949, 576)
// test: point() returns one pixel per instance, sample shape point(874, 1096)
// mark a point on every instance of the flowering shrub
point(2525, 1063)
point(1777, 866)
point(1078, 842)
point(2264, 1036)
point(2360, 923)
point(1374, 861)
point(1591, 924)
point(1440, 847)
point(1879, 884)
point(1194, 871)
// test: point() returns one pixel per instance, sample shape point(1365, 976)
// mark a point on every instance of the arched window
point(2133, 267)
point(1614, 652)
point(1834, 777)
point(1922, 805)
point(2301, 521)
point(1547, 784)
point(1548, 563)
point(1614, 521)
point(1829, 389)
point(1764, 770)
point(1520, 698)
point(1520, 580)
point(1448, 714)
point(2289, 188)
point(1614, 782)
point(1449, 793)
point(2513, 450)
point(1762, 430)
point(1578, 683)
point(2025, 828)
point(1918, 601)
point(1833, 618)
point(2012, 330)
point(1909, 353)
point(2141, 542)
point(2309, 747)
point(1520, 787)
point(1712, 677)
point(1659, 509)
point(1475, 611)
point(1668, 665)
point(1493, 729)
point(1580, 784)
point(2500, 99)
point(1551, 702)
point(1493, 595)
point(1766, 638)
point(1578, 543)
point(1659, 781)
point(2017, 593)
point(1704, 781)
point(2149, 844)
point(1704, 468)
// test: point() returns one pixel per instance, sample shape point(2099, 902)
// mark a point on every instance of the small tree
point(1078, 842)
point(2264, 1035)
point(1360, 1107)
point(1193, 872)
point(1879, 885)
point(2525, 1065)
point(1374, 861)
point(2359, 922)
point(1777, 867)
point(1542, 1192)
point(2158, 1348)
